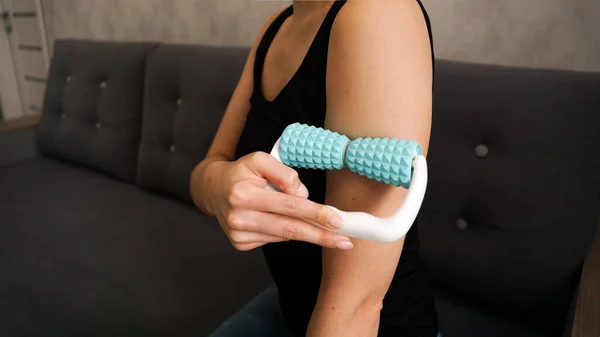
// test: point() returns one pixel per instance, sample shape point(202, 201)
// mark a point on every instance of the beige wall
point(220, 22)
point(540, 33)
point(537, 33)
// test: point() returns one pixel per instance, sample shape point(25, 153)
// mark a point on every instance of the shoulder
point(381, 22)
point(397, 13)
point(380, 40)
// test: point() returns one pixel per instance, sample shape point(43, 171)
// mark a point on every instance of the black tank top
point(408, 308)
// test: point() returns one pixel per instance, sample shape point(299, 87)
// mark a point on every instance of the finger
point(283, 177)
point(241, 238)
point(293, 206)
point(296, 229)
point(250, 246)
point(243, 247)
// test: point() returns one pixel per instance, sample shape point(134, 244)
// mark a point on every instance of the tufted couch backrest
point(186, 92)
point(512, 199)
point(93, 105)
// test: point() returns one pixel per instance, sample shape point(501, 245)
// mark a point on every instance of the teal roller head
point(385, 160)
point(382, 159)
point(310, 147)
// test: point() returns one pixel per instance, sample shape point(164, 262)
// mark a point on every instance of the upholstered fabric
point(460, 318)
point(187, 91)
point(17, 145)
point(82, 254)
point(512, 199)
point(93, 105)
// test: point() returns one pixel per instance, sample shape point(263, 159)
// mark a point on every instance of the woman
point(361, 68)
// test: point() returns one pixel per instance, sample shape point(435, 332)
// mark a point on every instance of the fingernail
point(335, 221)
point(303, 191)
point(344, 244)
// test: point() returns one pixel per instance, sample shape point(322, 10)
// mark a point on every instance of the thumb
point(285, 178)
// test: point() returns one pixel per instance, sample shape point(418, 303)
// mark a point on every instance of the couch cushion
point(187, 91)
point(17, 145)
point(459, 318)
point(512, 200)
point(82, 254)
point(93, 105)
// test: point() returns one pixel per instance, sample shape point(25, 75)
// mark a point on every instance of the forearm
point(203, 178)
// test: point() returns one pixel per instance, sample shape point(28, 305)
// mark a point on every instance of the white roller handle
point(366, 226)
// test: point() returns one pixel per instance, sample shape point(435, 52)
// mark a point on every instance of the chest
point(289, 58)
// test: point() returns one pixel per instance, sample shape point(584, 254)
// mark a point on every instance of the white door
point(23, 58)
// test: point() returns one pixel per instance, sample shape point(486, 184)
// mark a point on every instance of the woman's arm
point(379, 83)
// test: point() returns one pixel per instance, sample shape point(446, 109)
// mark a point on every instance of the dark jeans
point(261, 317)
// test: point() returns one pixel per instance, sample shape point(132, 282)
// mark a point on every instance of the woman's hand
point(252, 216)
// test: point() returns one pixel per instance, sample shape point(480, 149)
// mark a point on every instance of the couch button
point(68, 79)
point(97, 125)
point(102, 84)
point(462, 224)
point(172, 148)
point(482, 151)
point(179, 101)
point(63, 115)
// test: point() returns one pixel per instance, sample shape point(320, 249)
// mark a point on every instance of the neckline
point(287, 14)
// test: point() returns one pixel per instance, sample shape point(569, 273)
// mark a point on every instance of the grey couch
point(98, 235)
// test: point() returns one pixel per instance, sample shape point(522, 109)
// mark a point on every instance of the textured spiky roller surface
point(382, 159)
point(385, 160)
point(311, 147)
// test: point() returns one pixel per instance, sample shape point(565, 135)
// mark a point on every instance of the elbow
point(344, 319)
point(370, 306)
point(367, 314)
point(363, 308)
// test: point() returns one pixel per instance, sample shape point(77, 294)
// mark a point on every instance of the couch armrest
point(586, 322)
point(17, 145)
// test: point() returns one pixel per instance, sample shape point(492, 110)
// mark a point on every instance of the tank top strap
point(430, 32)
point(265, 43)
point(325, 29)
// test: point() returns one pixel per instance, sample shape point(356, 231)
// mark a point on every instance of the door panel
point(29, 52)
point(36, 97)
point(24, 6)
point(33, 63)
point(27, 30)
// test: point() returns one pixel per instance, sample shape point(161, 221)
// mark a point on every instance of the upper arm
point(379, 84)
point(234, 119)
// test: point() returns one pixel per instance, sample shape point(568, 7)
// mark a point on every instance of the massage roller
point(390, 161)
